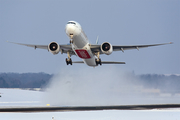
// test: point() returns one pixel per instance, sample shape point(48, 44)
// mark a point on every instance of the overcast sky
point(122, 22)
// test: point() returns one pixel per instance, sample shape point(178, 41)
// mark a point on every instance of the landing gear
point(98, 60)
point(71, 41)
point(68, 60)
point(71, 38)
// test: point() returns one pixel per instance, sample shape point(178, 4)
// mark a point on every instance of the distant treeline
point(24, 80)
point(165, 83)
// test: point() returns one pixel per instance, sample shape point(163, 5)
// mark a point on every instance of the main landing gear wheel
point(71, 41)
point(98, 61)
point(68, 61)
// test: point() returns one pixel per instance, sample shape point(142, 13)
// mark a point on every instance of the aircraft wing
point(64, 48)
point(97, 48)
point(87, 108)
point(94, 48)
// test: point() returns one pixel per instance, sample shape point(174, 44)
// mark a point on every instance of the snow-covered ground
point(96, 115)
point(18, 97)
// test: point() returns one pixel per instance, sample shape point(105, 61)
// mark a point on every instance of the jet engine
point(54, 48)
point(106, 48)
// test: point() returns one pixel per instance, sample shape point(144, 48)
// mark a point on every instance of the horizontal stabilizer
point(78, 62)
point(103, 62)
point(111, 62)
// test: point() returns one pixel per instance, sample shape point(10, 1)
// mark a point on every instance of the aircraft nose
point(70, 29)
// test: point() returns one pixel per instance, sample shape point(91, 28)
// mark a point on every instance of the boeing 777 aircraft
point(80, 46)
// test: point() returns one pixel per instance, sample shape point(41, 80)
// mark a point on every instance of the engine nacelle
point(106, 48)
point(54, 48)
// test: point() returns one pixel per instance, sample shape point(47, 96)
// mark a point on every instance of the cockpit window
point(71, 23)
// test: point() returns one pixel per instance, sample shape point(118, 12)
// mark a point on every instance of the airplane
point(80, 46)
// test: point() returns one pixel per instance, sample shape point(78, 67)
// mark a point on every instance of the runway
point(88, 108)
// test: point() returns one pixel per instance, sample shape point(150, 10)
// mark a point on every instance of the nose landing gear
point(71, 36)
point(71, 41)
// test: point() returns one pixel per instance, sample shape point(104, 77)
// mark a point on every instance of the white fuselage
point(80, 45)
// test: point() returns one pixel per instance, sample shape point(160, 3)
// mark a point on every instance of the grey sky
point(118, 22)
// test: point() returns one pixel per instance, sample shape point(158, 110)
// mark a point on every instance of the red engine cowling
point(106, 48)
